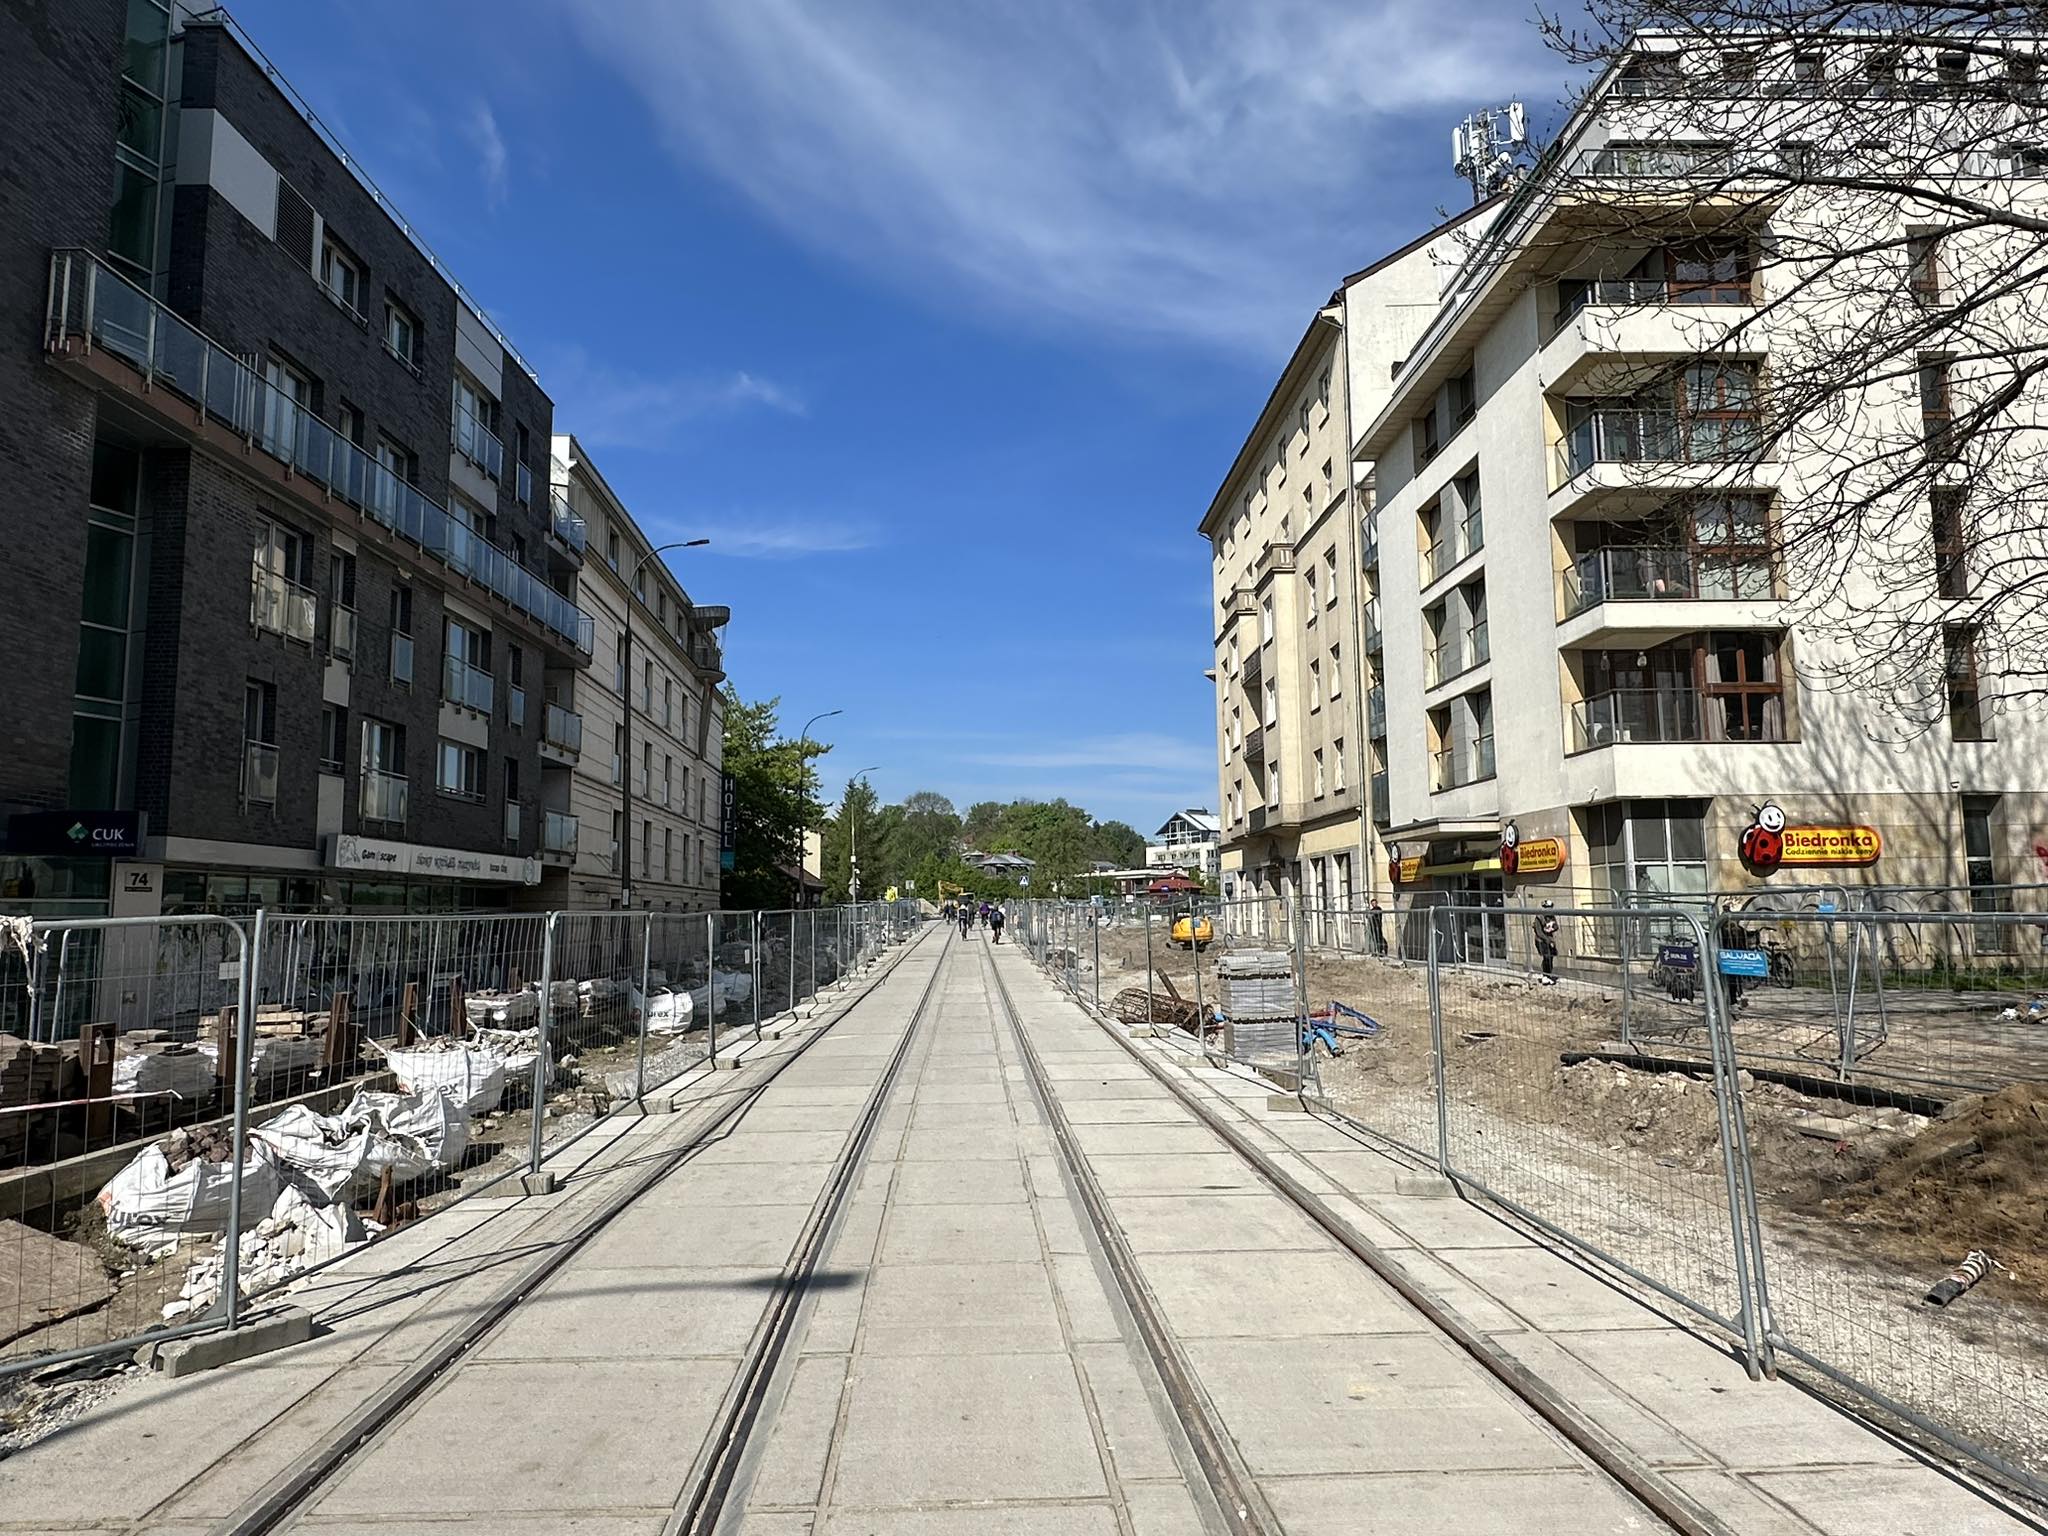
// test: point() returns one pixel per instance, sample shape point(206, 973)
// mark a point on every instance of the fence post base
point(542, 1183)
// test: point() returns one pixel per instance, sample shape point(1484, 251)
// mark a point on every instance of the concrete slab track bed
point(949, 1258)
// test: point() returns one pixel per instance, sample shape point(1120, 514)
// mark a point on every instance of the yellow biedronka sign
point(1833, 846)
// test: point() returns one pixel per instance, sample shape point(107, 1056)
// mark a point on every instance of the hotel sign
point(417, 861)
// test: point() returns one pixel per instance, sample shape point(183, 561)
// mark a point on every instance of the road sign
point(1745, 962)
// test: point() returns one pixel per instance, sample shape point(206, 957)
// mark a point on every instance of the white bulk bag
point(145, 1202)
point(475, 1078)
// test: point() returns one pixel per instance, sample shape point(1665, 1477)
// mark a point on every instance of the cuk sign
point(75, 834)
point(420, 862)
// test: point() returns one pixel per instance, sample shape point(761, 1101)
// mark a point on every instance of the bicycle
point(1780, 973)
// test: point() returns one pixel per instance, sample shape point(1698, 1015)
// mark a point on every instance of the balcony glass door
point(289, 394)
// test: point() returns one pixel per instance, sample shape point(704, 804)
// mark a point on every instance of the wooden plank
point(44, 1279)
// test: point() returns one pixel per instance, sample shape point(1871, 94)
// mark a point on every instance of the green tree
point(773, 803)
point(929, 829)
point(1119, 843)
point(984, 821)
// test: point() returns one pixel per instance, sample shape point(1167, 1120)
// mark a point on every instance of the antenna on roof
point(1487, 148)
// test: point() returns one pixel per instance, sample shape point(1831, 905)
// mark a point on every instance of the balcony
point(566, 527)
point(1254, 672)
point(468, 686)
point(1369, 551)
point(1453, 548)
point(476, 443)
point(1622, 716)
point(1256, 821)
point(1376, 713)
point(1373, 640)
point(561, 733)
point(1634, 435)
point(1610, 334)
point(1381, 813)
point(341, 634)
point(1626, 575)
point(557, 835)
point(259, 773)
point(1255, 744)
point(282, 607)
point(93, 309)
point(1456, 766)
point(383, 797)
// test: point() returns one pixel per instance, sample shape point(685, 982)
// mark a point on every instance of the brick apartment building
point(284, 589)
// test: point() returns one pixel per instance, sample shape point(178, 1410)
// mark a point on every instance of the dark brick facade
point(203, 508)
point(56, 189)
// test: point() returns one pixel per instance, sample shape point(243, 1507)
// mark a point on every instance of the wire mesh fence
point(1804, 1130)
point(194, 1110)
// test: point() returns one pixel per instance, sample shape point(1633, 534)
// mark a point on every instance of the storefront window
point(1645, 853)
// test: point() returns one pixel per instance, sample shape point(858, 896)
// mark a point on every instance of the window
point(668, 853)
point(333, 738)
point(1272, 704)
point(1952, 68)
point(668, 778)
point(1937, 411)
point(1315, 686)
point(1301, 424)
point(342, 276)
point(1968, 720)
point(1320, 789)
point(1314, 603)
point(511, 799)
point(1923, 265)
point(1706, 272)
point(1330, 577)
point(1643, 853)
point(1323, 389)
point(401, 333)
point(259, 743)
point(401, 635)
point(383, 747)
point(1732, 553)
point(1461, 398)
point(619, 754)
point(2023, 75)
point(1337, 763)
point(611, 551)
point(646, 769)
point(668, 702)
point(1717, 404)
point(281, 600)
point(459, 771)
point(466, 676)
point(1336, 672)
point(475, 427)
point(1738, 65)
point(1266, 619)
point(1744, 694)
point(1236, 728)
point(1951, 541)
point(618, 845)
point(1806, 65)
point(1428, 438)
point(646, 848)
point(1980, 865)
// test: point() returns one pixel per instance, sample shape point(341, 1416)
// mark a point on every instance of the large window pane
point(95, 762)
point(133, 233)
point(148, 27)
point(141, 124)
point(102, 654)
point(107, 563)
point(113, 477)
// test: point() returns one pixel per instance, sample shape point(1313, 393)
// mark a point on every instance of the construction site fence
point(1731, 1120)
point(198, 1109)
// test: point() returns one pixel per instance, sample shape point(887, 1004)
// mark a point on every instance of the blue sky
point(941, 320)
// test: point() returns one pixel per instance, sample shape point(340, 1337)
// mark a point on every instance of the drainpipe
point(1332, 314)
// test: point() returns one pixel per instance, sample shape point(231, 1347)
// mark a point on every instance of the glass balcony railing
point(522, 485)
point(1455, 767)
point(1381, 813)
point(283, 607)
point(383, 797)
point(1479, 643)
point(511, 821)
point(1574, 297)
point(1467, 538)
point(471, 687)
point(1376, 712)
point(477, 443)
point(401, 659)
point(1637, 715)
point(259, 773)
point(91, 303)
point(558, 833)
point(1373, 642)
point(562, 729)
point(341, 633)
point(565, 524)
point(1626, 575)
point(1627, 435)
point(515, 708)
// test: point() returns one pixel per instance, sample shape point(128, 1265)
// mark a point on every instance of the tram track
point(698, 1509)
point(1234, 1487)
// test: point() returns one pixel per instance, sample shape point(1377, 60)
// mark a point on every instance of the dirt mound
point(1976, 1178)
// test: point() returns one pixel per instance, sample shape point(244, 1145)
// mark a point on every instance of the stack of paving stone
point(1257, 987)
point(30, 1074)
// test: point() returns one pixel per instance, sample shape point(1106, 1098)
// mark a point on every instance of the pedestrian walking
point(1379, 928)
point(1546, 943)
point(995, 921)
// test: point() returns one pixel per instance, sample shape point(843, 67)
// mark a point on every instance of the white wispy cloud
point(1197, 167)
point(609, 407)
point(494, 162)
point(788, 540)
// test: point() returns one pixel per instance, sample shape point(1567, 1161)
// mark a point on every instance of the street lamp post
point(852, 850)
point(803, 759)
point(626, 702)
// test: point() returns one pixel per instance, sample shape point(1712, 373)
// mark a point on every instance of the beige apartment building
point(661, 852)
point(1300, 713)
point(1584, 677)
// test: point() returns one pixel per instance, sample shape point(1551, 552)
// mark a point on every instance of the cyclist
point(995, 921)
point(966, 918)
